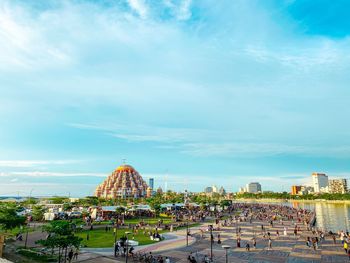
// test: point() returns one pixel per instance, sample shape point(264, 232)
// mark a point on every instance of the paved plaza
point(284, 248)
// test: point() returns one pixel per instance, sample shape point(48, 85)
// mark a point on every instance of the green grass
point(99, 238)
point(36, 256)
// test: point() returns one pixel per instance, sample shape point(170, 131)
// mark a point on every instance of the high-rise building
point(296, 189)
point(338, 186)
point(215, 189)
point(222, 190)
point(253, 187)
point(320, 182)
point(151, 183)
point(208, 190)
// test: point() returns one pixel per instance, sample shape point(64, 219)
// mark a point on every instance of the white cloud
point(32, 163)
point(181, 9)
point(140, 7)
point(53, 174)
point(23, 44)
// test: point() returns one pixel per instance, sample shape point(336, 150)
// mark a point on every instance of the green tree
point(38, 212)
point(61, 236)
point(9, 218)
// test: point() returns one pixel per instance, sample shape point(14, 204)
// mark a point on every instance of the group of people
point(150, 258)
point(195, 258)
point(121, 248)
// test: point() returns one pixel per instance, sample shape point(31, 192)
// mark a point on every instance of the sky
point(192, 93)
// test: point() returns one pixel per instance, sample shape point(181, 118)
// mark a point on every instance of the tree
point(59, 199)
point(61, 236)
point(38, 213)
point(67, 206)
point(9, 218)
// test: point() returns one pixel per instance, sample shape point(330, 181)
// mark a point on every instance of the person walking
point(254, 243)
point(270, 243)
point(76, 253)
point(247, 247)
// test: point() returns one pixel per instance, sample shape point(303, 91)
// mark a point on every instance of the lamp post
point(26, 240)
point(226, 247)
point(127, 248)
point(211, 242)
point(187, 233)
point(115, 239)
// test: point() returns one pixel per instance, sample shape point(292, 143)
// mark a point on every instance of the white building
point(320, 182)
point(253, 187)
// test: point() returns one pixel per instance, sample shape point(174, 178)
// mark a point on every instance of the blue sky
point(194, 93)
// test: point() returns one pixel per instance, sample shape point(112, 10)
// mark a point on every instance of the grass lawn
point(101, 238)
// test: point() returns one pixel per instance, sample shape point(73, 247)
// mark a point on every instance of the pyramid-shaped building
point(124, 182)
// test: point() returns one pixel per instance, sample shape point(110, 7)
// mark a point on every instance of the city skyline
point(192, 93)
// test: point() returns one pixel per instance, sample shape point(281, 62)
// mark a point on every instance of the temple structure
point(124, 182)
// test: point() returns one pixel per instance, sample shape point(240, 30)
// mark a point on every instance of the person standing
point(254, 243)
point(270, 243)
point(70, 255)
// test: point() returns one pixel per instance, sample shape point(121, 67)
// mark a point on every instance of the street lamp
point(226, 247)
point(115, 239)
point(211, 242)
point(26, 240)
point(187, 233)
point(127, 243)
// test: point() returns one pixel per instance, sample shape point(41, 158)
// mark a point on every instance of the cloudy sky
point(194, 93)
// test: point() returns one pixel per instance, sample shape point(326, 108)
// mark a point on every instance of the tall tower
point(151, 183)
point(320, 182)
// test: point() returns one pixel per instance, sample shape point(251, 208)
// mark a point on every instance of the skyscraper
point(253, 187)
point(151, 183)
point(320, 182)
